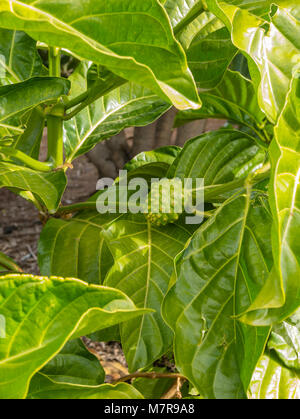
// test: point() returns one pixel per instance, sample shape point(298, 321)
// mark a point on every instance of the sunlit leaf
point(222, 269)
point(131, 38)
point(42, 315)
point(15, 66)
point(281, 295)
point(143, 264)
point(47, 187)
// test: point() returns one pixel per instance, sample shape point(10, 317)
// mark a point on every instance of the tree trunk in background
point(188, 131)
point(164, 129)
point(111, 155)
point(143, 139)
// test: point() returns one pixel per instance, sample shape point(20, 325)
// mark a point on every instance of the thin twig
point(175, 390)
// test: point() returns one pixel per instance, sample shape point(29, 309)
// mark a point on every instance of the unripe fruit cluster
point(156, 196)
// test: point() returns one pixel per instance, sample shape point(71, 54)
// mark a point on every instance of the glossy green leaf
point(16, 65)
point(222, 269)
point(19, 98)
point(219, 157)
point(42, 315)
point(277, 373)
point(271, 380)
point(281, 295)
point(126, 106)
point(178, 10)
point(274, 53)
point(285, 342)
point(234, 99)
point(47, 187)
point(131, 38)
point(76, 247)
point(143, 264)
point(205, 39)
point(75, 365)
point(209, 55)
point(44, 388)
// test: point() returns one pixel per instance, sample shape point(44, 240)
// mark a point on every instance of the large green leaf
point(42, 314)
point(19, 59)
point(210, 51)
point(218, 157)
point(274, 53)
point(271, 380)
point(75, 365)
point(15, 67)
point(76, 247)
point(42, 387)
point(205, 39)
point(47, 187)
point(234, 99)
point(218, 275)
point(281, 295)
point(128, 105)
point(133, 39)
point(143, 266)
point(19, 98)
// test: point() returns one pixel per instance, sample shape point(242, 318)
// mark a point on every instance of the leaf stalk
point(24, 158)
point(54, 122)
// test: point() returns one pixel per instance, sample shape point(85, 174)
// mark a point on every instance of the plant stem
point(151, 376)
point(190, 17)
point(174, 391)
point(54, 62)
point(77, 100)
point(55, 140)
point(29, 161)
point(54, 122)
point(96, 92)
point(71, 209)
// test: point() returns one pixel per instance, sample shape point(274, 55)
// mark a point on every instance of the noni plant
point(220, 298)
